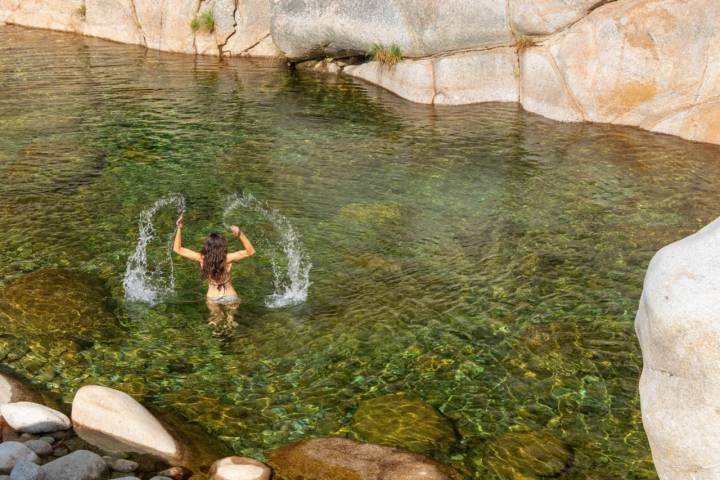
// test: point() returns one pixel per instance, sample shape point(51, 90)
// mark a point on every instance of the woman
point(215, 264)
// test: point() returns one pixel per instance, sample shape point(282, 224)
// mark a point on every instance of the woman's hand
point(235, 230)
point(179, 222)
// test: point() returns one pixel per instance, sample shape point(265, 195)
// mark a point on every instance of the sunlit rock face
point(240, 27)
point(678, 325)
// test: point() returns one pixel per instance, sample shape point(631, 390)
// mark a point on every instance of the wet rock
point(239, 468)
point(13, 452)
point(403, 421)
point(114, 421)
point(25, 470)
point(32, 417)
point(35, 306)
point(40, 447)
point(79, 465)
point(343, 459)
point(530, 455)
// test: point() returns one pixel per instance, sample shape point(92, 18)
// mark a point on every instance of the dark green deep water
point(483, 259)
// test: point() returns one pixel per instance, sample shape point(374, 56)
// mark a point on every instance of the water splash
point(142, 283)
point(292, 283)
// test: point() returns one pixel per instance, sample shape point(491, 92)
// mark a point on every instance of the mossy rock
point(401, 420)
point(335, 458)
point(57, 303)
point(527, 456)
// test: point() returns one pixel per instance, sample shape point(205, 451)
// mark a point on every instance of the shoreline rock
point(30, 417)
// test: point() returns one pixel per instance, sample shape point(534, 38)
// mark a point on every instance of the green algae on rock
point(400, 420)
point(333, 458)
point(527, 456)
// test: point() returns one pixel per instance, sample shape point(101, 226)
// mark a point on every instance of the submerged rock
point(79, 465)
point(114, 421)
point(343, 459)
point(34, 418)
point(402, 421)
point(527, 456)
point(239, 468)
point(678, 328)
point(57, 303)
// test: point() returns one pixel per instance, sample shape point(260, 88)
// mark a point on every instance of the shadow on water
point(484, 261)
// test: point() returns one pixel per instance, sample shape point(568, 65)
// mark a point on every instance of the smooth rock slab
point(34, 418)
point(343, 459)
point(239, 468)
point(25, 470)
point(13, 452)
point(114, 421)
point(79, 465)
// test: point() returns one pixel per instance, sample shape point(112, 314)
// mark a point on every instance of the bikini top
point(221, 285)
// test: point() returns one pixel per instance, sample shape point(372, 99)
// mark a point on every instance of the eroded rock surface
point(678, 325)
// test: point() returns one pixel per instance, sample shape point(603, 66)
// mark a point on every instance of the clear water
point(485, 259)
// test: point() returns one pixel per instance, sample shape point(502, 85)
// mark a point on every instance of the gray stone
point(79, 465)
point(47, 439)
point(13, 452)
point(160, 477)
point(25, 470)
point(121, 465)
point(32, 417)
point(40, 447)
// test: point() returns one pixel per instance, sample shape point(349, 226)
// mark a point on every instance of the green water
point(483, 259)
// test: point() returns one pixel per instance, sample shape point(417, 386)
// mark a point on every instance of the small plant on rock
point(204, 22)
point(525, 42)
point(388, 56)
point(81, 11)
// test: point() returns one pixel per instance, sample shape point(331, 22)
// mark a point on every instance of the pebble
point(27, 436)
point(12, 452)
point(176, 473)
point(60, 435)
point(79, 465)
point(47, 439)
point(158, 477)
point(25, 470)
point(60, 452)
point(40, 447)
point(121, 465)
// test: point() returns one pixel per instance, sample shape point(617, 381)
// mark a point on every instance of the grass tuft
point(81, 11)
point(525, 42)
point(388, 56)
point(204, 22)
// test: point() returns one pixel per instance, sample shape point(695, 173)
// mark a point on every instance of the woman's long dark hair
point(214, 265)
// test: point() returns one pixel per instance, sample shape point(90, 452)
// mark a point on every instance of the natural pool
point(483, 259)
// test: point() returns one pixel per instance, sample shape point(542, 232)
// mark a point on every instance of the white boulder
point(678, 325)
point(114, 421)
point(13, 452)
point(239, 468)
point(32, 417)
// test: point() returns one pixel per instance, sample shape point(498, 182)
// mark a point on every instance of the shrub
point(204, 22)
point(389, 56)
point(81, 11)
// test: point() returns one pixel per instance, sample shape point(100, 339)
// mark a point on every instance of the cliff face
point(241, 27)
point(645, 63)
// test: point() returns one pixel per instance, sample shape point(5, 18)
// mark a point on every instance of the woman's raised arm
point(241, 254)
point(177, 246)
